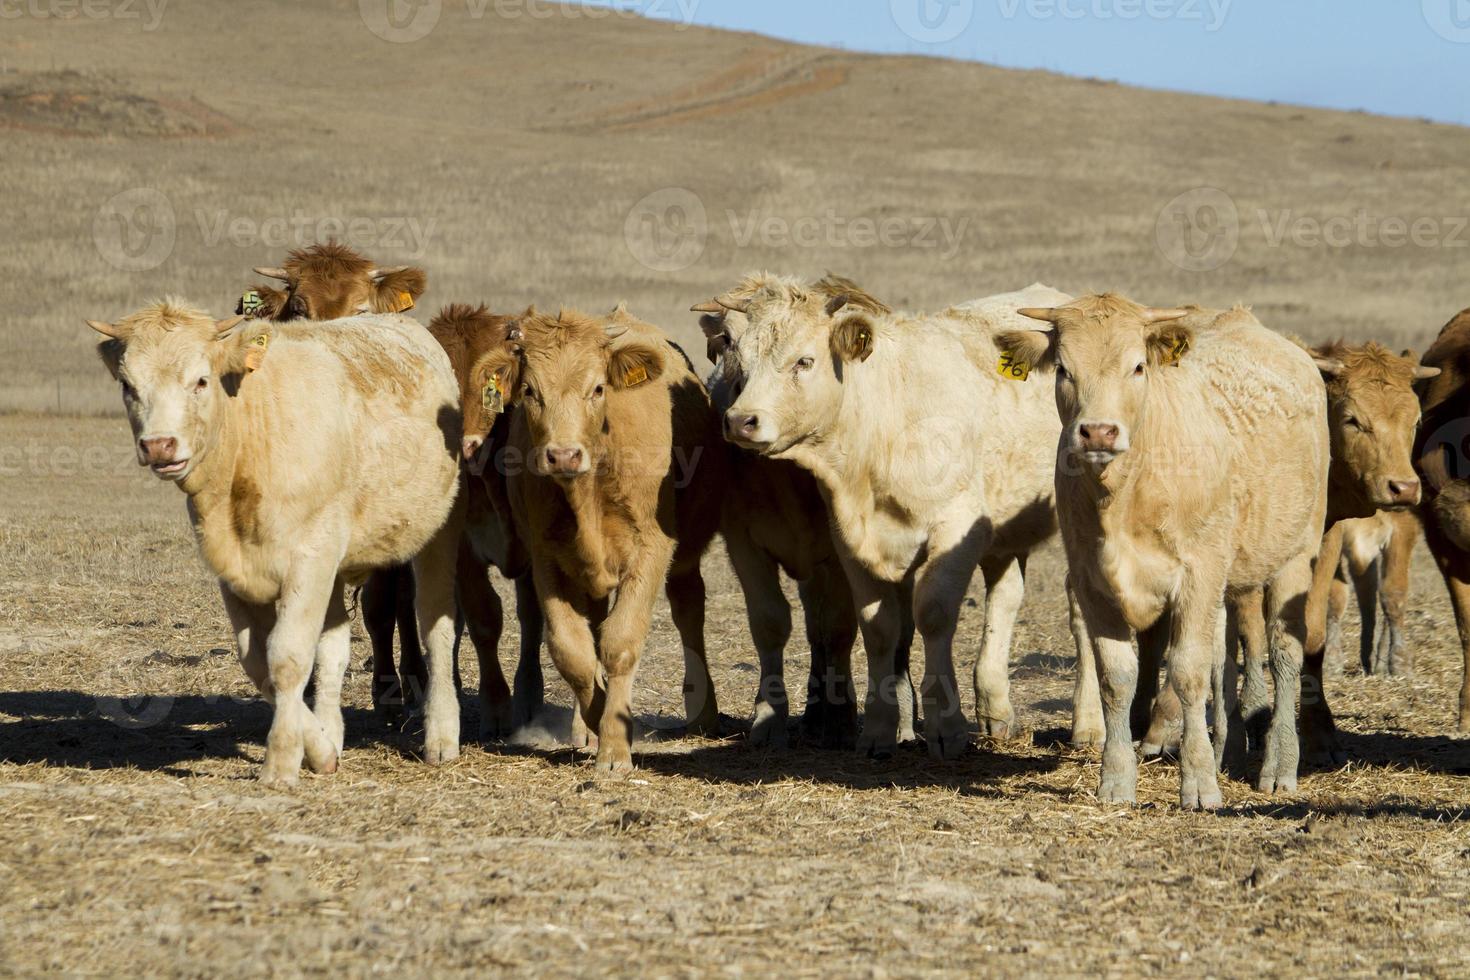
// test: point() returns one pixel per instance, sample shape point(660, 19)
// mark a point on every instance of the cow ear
point(1169, 344)
point(632, 365)
point(1330, 367)
point(242, 349)
point(1029, 349)
point(853, 337)
point(398, 290)
point(111, 351)
point(261, 302)
point(717, 337)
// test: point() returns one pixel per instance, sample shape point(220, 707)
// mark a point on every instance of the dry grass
point(129, 739)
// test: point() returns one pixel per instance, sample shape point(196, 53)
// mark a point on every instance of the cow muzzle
point(1399, 494)
point(746, 428)
point(161, 455)
point(1100, 441)
point(564, 462)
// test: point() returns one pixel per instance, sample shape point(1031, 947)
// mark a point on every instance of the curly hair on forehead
point(330, 260)
point(1369, 363)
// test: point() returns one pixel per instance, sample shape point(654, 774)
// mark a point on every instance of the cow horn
point(837, 302)
point(615, 330)
point(709, 306)
point(225, 326)
point(377, 274)
point(1163, 316)
point(1422, 373)
point(106, 329)
point(741, 307)
point(270, 273)
point(1048, 314)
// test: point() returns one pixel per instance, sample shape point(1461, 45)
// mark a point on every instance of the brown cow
point(616, 469)
point(1192, 467)
point(324, 282)
point(1441, 456)
point(776, 521)
point(468, 333)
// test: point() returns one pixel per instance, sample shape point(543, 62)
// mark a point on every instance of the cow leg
point(1255, 698)
point(1117, 668)
point(1166, 717)
point(573, 648)
point(1233, 757)
point(1285, 608)
point(939, 591)
point(1150, 661)
point(379, 602)
point(1318, 729)
point(1223, 693)
point(252, 625)
point(290, 652)
point(769, 615)
point(1087, 711)
point(621, 644)
point(1365, 584)
point(1192, 659)
point(333, 652)
point(485, 618)
point(908, 701)
point(831, 631)
point(433, 572)
point(1336, 608)
point(1005, 587)
point(414, 670)
point(530, 689)
point(1459, 586)
point(1394, 593)
point(878, 617)
point(686, 593)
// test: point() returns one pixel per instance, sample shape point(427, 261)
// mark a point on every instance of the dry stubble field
point(135, 836)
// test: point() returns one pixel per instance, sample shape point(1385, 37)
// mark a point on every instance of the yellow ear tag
point(256, 354)
point(1177, 350)
point(635, 376)
point(492, 398)
point(405, 301)
point(1012, 367)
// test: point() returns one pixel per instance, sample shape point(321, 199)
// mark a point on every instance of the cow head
point(331, 281)
point(178, 368)
point(559, 372)
point(793, 353)
point(1373, 415)
point(1105, 350)
point(467, 334)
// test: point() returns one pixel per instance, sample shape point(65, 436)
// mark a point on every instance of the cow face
point(331, 281)
point(559, 372)
point(794, 352)
point(177, 368)
point(1373, 415)
point(467, 334)
point(1104, 349)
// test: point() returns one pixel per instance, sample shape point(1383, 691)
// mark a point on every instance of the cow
point(467, 333)
point(930, 464)
point(1376, 552)
point(1372, 416)
point(1192, 466)
point(325, 282)
point(1440, 457)
point(309, 455)
point(615, 470)
point(776, 521)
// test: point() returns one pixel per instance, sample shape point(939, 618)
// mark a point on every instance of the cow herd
point(1219, 489)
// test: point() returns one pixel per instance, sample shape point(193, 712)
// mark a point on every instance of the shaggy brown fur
point(329, 281)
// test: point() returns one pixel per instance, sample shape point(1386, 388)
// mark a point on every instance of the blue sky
point(1398, 57)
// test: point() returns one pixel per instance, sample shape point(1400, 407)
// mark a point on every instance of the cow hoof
point(1087, 738)
point(840, 732)
point(1199, 794)
point(615, 763)
point(946, 746)
point(706, 726)
point(875, 746)
point(1117, 789)
point(496, 722)
point(275, 777)
point(768, 729)
point(439, 751)
point(997, 728)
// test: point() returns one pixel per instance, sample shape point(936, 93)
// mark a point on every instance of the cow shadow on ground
point(159, 733)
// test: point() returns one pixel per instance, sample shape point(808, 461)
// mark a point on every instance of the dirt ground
point(136, 833)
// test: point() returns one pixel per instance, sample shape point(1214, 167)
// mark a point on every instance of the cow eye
point(598, 391)
point(201, 384)
point(527, 390)
point(1138, 371)
point(1352, 423)
point(805, 364)
point(1062, 373)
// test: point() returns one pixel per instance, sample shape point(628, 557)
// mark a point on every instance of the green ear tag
point(251, 303)
point(492, 399)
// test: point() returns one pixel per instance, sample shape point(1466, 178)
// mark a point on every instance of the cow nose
point(470, 446)
point(1098, 435)
point(741, 425)
point(1403, 491)
point(564, 460)
point(160, 450)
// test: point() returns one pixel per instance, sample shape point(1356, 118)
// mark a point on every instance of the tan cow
point(776, 521)
point(931, 463)
point(1376, 552)
point(468, 333)
point(309, 454)
point(325, 282)
point(1193, 466)
point(616, 470)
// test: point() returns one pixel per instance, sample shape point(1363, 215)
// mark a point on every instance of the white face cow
point(176, 366)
